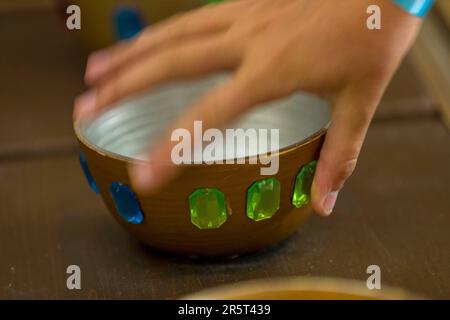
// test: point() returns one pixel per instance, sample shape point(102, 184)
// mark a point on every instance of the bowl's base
point(274, 235)
point(264, 250)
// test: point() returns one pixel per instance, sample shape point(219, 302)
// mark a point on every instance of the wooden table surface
point(393, 212)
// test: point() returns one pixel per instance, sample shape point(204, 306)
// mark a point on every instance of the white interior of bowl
point(131, 127)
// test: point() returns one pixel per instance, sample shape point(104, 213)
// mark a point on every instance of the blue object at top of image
point(128, 22)
point(418, 8)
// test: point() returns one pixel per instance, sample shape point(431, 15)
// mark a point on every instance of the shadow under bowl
point(166, 219)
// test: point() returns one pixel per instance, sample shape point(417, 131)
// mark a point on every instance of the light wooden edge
point(311, 284)
point(431, 57)
point(443, 6)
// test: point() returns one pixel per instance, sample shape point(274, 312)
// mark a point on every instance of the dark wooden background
point(394, 211)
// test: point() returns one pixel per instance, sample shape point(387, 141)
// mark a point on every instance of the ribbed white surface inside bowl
point(131, 127)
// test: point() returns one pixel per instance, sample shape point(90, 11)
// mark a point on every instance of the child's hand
point(274, 47)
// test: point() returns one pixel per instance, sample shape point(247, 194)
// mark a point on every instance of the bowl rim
point(77, 124)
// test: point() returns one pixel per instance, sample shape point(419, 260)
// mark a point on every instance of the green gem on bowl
point(263, 199)
point(208, 208)
point(303, 182)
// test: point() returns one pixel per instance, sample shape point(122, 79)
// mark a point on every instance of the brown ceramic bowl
point(115, 139)
point(301, 288)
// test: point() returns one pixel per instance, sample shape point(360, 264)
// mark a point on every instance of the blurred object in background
point(107, 21)
point(301, 288)
point(128, 22)
point(431, 56)
point(443, 7)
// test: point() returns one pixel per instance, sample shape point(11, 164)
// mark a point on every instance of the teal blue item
point(418, 8)
point(128, 22)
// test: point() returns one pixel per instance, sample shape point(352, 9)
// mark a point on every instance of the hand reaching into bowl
point(272, 48)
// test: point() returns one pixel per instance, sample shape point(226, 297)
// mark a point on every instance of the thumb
point(351, 116)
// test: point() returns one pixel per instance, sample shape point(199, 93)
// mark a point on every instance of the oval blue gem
point(87, 173)
point(127, 203)
point(127, 22)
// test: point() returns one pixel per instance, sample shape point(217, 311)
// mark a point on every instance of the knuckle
point(174, 19)
point(180, 26)
point(134, 44)
point(344, 171)
point(337, 172)
point(109, 92)
point(169, 61)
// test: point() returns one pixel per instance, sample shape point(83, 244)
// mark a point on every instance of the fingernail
point(85, 104)
point(141, 176)
point(97, 65)
point(329, 202)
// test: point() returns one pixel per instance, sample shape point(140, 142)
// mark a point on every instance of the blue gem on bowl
point(87, 173)
point(126, 202)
